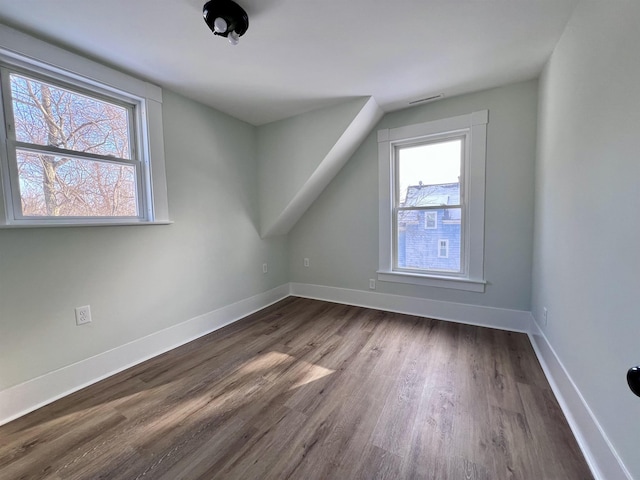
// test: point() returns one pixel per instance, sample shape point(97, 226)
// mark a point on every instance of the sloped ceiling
point(299, 156)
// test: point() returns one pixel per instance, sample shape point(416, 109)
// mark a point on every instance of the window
point(427, 182)
point(432, 202)
point(443, 248)
point(75, 151)
point(431, 220)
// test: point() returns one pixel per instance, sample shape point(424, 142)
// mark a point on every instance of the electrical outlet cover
point(83, 315)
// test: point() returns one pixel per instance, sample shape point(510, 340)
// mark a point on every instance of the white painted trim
point(38, 392)
point(85, 224)
point(598, 451)
point(456, 283)
point(500, 318)
point(21, 50)
point(473, 127)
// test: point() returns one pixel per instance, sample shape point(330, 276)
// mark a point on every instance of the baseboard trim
point(500, 318)
point(599, 453)
point(593, 441)
point(26, 397)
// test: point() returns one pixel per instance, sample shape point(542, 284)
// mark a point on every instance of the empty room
point(280, 239)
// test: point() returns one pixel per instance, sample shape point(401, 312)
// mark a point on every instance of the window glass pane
point(70, 187)
point(431, 219)
point(444, 249)
point(422, 248)
point(46, 114)
point(429, 174)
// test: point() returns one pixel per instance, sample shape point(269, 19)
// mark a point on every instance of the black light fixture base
point(235, 17)
point(633, 379)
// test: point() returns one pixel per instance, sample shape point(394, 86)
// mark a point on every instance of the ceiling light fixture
point(226, 18)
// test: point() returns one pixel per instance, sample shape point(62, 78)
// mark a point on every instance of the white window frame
point(434, 215)
point(443, 242)
point(463, 137)
point(28, 56)
point(473, 127)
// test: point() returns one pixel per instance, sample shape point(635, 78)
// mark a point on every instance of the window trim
point(136, 160)
point(24, 54)
point(475, 126)
point(443, 242)
point(433, 214)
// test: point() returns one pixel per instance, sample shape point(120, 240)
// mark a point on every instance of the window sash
point(431, 207)
point(463, 135)
point(11, 146)
point(14, 178)
point(61, 152)
point(75, 86)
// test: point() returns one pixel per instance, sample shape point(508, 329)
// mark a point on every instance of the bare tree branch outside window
point(63, 184)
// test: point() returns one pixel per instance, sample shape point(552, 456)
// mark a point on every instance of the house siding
point(418, 246)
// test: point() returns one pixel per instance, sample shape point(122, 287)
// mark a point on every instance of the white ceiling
point(299, 55)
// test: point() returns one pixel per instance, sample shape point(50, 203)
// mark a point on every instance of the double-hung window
point(432, 202)
point(75, 151)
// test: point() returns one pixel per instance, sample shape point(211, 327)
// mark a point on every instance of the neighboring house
point(430, 239)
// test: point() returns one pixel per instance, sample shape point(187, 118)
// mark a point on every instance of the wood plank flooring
point(310, 390)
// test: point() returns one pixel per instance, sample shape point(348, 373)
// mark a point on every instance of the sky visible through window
point(431, 164)
point(54, 185)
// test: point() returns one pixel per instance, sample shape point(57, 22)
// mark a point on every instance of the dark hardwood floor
point(310, 390)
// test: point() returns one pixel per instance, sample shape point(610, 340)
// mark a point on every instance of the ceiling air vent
point(427, 99)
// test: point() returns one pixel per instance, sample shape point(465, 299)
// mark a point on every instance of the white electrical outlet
point(372, 284)
point(545, 316)
point(306, 262)
point(83, 315)
point(264, 268)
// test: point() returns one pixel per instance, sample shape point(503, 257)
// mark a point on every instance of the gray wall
point(588, 212)
point(339, 233)
point(290, 150)
point(141, 279)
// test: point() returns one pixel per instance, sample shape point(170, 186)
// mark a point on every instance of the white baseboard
point(500, 318)
point(595, 445)
point(33, 394)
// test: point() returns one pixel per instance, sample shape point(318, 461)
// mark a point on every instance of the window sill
point(455, 283)
point(101, 224)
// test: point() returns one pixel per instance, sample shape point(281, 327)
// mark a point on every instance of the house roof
point(430, 195)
